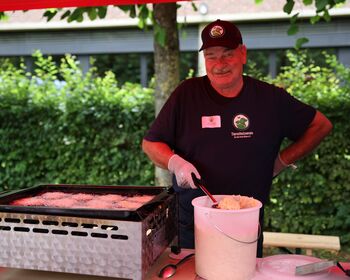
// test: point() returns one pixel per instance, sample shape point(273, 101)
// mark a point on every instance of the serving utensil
point(198, 184)
point(318, 267)
point(313, 267)
point(170, 269)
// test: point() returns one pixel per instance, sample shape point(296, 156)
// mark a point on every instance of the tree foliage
point(322, 9)
point(80, 128)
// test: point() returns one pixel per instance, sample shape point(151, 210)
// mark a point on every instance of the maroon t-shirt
point(233, 142)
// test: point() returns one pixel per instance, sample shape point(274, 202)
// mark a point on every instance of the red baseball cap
point(221, 33)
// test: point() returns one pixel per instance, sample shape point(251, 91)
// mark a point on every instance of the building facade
point(264, 27)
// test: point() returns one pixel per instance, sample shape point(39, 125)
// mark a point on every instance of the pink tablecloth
point(185, 272)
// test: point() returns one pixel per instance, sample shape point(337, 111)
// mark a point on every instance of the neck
point(230, 91)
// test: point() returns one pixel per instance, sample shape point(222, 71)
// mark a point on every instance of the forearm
point(319, 128)
point(159, 153)
point(162, 156)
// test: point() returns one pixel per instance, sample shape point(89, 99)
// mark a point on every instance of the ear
point(243, 50)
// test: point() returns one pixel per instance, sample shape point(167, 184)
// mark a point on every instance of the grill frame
point(122, 244)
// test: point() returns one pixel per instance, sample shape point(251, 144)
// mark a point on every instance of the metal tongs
point(198, 184)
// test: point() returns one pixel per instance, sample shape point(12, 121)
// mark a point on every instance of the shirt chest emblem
point(241, 124)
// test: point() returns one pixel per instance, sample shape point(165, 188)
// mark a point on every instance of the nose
point(220, 63)
point(221, 60)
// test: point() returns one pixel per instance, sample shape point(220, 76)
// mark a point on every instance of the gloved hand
point(280, 165)
point(182, 170)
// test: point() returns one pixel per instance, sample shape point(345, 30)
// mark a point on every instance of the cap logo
point(217, 31)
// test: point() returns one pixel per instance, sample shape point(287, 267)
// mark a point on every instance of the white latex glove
point(280, 165)
point(182, 170)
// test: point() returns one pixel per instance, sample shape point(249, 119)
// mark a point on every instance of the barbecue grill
point(115, 243)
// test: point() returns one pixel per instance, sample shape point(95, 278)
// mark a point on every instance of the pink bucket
point(225, 240)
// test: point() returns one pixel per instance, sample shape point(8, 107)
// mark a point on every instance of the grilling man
point(227, 129)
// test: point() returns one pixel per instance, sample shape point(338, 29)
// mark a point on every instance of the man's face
point(225, 66)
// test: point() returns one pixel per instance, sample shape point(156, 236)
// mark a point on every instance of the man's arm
point(159, 153)
point(162, 156)
point(318, 129)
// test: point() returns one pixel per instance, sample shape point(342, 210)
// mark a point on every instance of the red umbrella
point(11, 5)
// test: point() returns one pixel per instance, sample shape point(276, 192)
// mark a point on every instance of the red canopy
point(11, 5)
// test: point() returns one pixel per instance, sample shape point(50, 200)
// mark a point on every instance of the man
point(227, 129)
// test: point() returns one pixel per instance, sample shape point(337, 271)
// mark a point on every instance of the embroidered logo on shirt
point(241, 123)
point(211, 121)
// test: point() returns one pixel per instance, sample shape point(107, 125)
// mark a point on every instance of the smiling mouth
point(222, 73)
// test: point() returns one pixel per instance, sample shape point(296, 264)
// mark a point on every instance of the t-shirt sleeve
point(296, 115)
point(163, 128)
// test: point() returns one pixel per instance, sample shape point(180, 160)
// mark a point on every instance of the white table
point(185, 272)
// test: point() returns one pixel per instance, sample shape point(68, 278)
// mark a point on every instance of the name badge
point(211, 121)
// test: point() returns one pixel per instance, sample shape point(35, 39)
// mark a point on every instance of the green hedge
point(315, 197)
point(60, 126)
point(82, 129)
